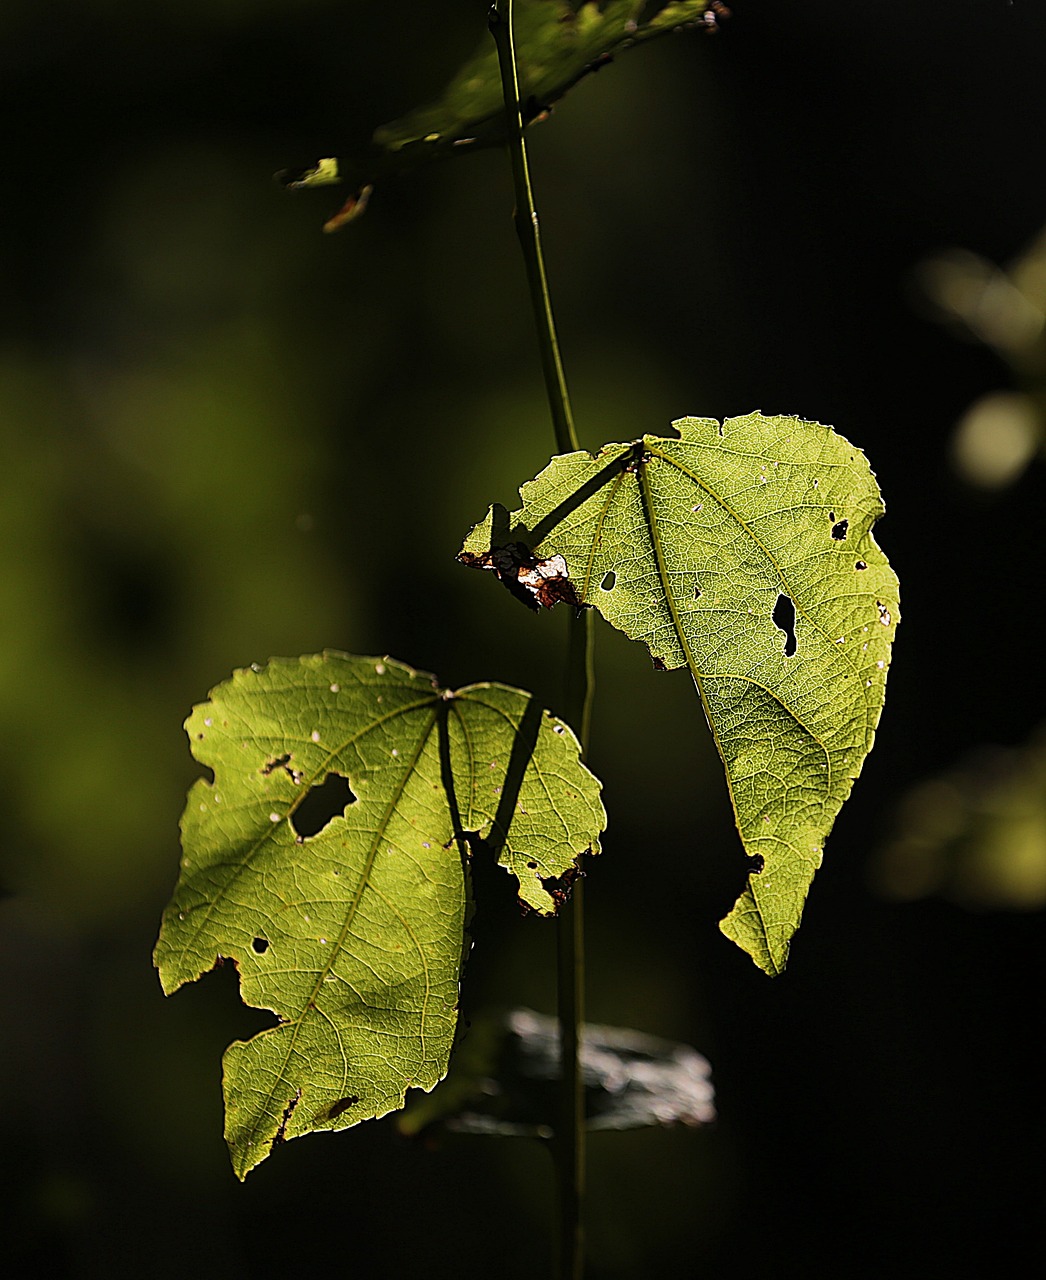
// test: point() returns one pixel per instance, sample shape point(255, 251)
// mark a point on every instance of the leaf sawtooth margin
point(354, 937)
point(744, 552)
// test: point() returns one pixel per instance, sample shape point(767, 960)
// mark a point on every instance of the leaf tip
point(746, 927)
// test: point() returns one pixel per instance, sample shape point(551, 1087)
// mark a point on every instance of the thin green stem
point(529, 232)
point(570, 969)
point(569, 1144)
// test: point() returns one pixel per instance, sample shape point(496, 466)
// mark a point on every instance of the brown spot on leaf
point(537, 583)
point(288, 1111)
point(283, 762)
point(559, 887)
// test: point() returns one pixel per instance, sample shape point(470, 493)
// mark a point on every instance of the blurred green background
point(224, 436)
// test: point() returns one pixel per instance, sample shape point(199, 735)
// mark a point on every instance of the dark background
point(226, 436)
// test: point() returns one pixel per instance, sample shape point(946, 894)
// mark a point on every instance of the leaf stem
point(569, 1143)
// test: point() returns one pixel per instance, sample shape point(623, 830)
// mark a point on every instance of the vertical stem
point(529, 232)
point(569, 1143)
point(570, 969)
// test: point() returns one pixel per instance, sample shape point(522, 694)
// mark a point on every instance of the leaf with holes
point(350, 926)
point(558, 43)
point(745, 553)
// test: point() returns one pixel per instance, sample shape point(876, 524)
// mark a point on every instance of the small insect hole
point(860, 565)
point(259, 946)
point(321, 805)
point(609, 581)
point(783, 616)
point(839, 530)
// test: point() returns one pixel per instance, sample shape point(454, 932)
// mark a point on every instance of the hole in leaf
point(323, 803)
point(259, 946)
point(609, 581)
point(860, 565)
point(756, 862)
point(697, 592)
point(839, 530)
point(783, 616)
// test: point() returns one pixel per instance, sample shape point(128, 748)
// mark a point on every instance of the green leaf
point(745, 553)
point(354, 936)
point(557, 44)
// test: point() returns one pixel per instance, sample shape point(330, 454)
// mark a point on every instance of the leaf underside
point(557, 44)
point(744, 552)
point(353, 936)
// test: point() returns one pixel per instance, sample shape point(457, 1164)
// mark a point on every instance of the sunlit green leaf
point(352, 934)
point(743, 552)
point(557, 44)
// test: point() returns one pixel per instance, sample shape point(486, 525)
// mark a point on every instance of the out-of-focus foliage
point(744, 552)
point(975, 834)
point(557, 43)
point(1005, 308)
point(504, 1078)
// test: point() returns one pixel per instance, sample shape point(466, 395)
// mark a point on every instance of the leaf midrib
point(785, 580)
point(362, 885)
point(269, 834)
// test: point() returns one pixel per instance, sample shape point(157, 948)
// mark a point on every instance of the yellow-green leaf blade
point(351, 935)
point(689, 545)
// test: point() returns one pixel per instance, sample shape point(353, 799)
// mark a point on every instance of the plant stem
point(570, 970)
point(569, 1142)
point(529, 233)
